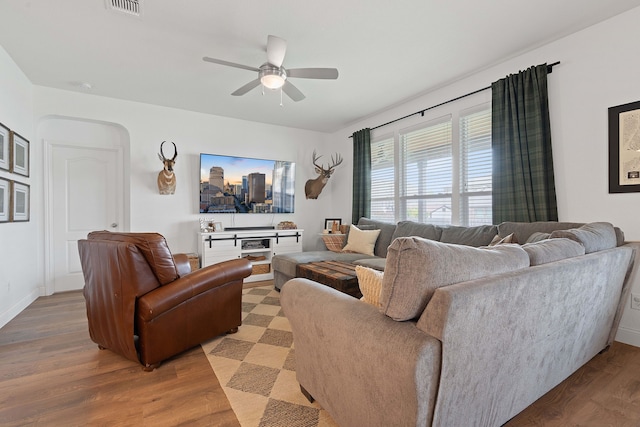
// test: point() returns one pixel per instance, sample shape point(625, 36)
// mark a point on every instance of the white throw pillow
point(370, 283)
point(361, 241)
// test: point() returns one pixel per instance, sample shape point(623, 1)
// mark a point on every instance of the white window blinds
point(438, 172)
point(476, 164)
point(426, 184)
point(383, 180)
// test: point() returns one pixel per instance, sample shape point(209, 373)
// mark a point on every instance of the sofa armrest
point(509, 339)
point(361, 366)
point(164, 298)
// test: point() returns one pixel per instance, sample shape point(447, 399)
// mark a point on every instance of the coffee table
point(335, 274)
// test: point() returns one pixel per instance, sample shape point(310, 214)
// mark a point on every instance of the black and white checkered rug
point(256, 367)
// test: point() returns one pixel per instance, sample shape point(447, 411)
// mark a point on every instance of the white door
point(85, 195)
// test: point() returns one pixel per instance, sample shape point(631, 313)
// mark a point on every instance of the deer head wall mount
point(166, 177)
point(313, 187)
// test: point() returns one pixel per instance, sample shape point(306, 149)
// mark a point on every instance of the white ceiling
point(385, 51)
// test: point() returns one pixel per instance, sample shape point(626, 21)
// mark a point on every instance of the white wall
point(20, 244)
point(28, 109)
point(599, 69)
point(176, 216)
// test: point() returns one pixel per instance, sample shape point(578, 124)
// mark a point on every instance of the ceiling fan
point(273, 75)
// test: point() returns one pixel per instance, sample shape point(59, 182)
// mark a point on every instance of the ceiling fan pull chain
point(281, 97)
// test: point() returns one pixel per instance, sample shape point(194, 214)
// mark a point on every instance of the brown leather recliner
point(144, 304)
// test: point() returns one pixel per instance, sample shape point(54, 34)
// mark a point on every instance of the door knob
point(114, 224)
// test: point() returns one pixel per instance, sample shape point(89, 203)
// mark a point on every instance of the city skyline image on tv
point(230, 184)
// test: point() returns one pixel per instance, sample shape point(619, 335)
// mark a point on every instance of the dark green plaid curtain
point(361, 175)
point(523, 181)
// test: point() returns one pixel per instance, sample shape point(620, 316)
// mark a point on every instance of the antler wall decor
point(313, 187)
point(166, 177)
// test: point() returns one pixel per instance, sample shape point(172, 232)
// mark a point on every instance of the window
point(437, 172)
point(383, 180)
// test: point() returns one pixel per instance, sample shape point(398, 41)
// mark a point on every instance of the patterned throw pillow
point(370, 282)
point(511, 238)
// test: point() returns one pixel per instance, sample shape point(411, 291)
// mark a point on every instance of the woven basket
point(260, 268)
point(334, 242)
point(194, 261)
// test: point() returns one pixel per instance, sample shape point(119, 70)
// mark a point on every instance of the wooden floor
point(51, 374)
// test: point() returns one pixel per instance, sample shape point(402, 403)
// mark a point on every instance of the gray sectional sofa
point(463, 336)
point(284, 266)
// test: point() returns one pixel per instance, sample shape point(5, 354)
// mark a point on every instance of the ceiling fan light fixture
point(272, 77)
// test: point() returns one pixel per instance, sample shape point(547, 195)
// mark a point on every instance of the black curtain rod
point(421, 112)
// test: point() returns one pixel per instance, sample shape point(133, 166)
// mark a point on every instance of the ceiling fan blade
point(229, 64)
point(246, 88)
point(313, 73)
point(292, 91)
point(276, 48)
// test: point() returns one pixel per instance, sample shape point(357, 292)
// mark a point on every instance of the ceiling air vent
point(130, 7)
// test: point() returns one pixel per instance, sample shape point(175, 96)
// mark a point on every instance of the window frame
point(455, 111)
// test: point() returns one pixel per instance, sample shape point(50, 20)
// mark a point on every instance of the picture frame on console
point(624, 148)
point(332, 224)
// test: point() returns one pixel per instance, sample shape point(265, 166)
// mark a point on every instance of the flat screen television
point(231, 184)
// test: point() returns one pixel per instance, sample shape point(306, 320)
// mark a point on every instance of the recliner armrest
point(182, 264)
point(168, 296)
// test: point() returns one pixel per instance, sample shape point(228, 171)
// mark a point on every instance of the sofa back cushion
point(384, 239)
point(416, 229)
point(416, 267)
point(596, 236)
point(481, 235)
point(545, 251)
point(523, 230)
point(153, 247)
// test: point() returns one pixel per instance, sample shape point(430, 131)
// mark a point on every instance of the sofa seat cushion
point(478, 236)
point(416, 267)
point(375, 263)
point(596, 236)
point(545, 251)
point(286, 263)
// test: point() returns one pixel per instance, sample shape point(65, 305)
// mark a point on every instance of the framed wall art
point(5, 141)
point(5, 196)
point(19, 155)
point(624, 148)
point(19, 202)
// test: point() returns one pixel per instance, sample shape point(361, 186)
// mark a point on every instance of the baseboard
point(628, 336)
point(18, 307)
